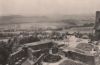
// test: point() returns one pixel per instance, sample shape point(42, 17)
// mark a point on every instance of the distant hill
point(64, 19)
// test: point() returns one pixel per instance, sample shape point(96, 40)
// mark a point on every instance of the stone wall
point(90, 60)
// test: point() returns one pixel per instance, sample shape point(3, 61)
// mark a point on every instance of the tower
point(97, 26)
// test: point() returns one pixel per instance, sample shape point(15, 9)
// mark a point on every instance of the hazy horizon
point(48, 7)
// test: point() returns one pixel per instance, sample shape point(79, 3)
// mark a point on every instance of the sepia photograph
point(49, 32)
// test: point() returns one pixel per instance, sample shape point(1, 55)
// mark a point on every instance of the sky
point(48, 7)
